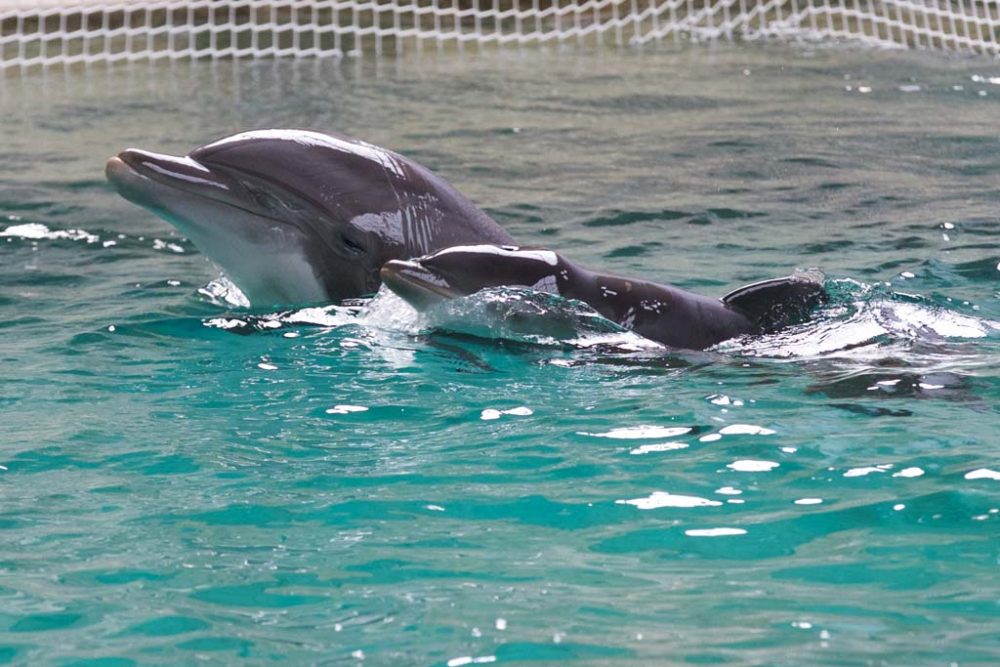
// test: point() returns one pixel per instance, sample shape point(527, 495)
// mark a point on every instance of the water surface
point(184, 481)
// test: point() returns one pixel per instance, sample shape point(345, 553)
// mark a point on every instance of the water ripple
point(513, 478)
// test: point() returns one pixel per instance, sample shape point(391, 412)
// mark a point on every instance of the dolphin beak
point(415, 284)
point(136, 174)
point(127, 181)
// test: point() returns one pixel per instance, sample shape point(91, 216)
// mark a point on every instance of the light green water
point(175, 492)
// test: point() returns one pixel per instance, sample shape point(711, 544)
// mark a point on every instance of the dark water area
point(512, 479)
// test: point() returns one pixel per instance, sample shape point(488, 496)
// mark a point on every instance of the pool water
point(511, 479)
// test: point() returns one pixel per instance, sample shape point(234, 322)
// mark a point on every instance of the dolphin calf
point(666, 314)
point(294, 216)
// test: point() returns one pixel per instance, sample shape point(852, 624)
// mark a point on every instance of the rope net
point(48, 32)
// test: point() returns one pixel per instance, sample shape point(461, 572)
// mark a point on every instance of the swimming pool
point(185, 481)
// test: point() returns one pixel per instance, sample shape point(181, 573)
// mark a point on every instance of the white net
point(43, 32)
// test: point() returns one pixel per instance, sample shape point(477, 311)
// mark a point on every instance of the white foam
point(225, 323)
point(942, 322)
point(866, 470)
point(345, 409)
point(862, 329)
point(225, 292)
point(658, 447)
point(38, 231)
point(470, 660)
point(983, 473)
point(659, 499)
point(326, 316)
point(628, 341)
point(160, 244)
point(29, 230)
point(490, 413)
point(714, 532)
point(750, 465)
point(722, 399)
point(640, 432)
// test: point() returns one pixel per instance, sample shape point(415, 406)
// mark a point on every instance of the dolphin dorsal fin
point(780, 302)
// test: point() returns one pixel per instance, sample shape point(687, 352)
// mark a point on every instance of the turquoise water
point(186, 482)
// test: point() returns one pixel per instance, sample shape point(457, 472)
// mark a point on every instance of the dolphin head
point(294, 216)
point(463, 270)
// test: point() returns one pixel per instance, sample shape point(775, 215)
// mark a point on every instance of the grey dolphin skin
point(662, 313)
point(294, 216)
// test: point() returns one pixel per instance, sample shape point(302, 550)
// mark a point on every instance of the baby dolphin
point(668, 315)
point(294, 216)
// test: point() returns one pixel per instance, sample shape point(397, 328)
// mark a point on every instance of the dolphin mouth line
point(148, 168)
point(166, 169)
point(412, 281)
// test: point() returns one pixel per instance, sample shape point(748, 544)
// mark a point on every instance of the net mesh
point(43, 32)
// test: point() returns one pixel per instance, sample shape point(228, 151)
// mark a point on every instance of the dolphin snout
point(389, 270)
point(128, 181)
point(139, 175)
point(395, 267)
point(168, 168)
point(133, 157)
point(412, 281)
point(114, 168)
point(400, 272)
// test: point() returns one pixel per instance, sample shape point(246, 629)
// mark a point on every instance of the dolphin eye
point(351, 245)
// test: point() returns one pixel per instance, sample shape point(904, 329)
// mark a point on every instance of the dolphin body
point(663, 313)
point(294, 216)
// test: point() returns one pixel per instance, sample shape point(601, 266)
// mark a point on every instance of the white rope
point(46, 32)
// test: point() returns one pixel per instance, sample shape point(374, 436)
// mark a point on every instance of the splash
point(522, 315)
point(224, 292)
point(865, 326)
point(865, 322)
point(35, 231)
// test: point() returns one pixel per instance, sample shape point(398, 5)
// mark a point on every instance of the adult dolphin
point(669, 315)
point(295, 216)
